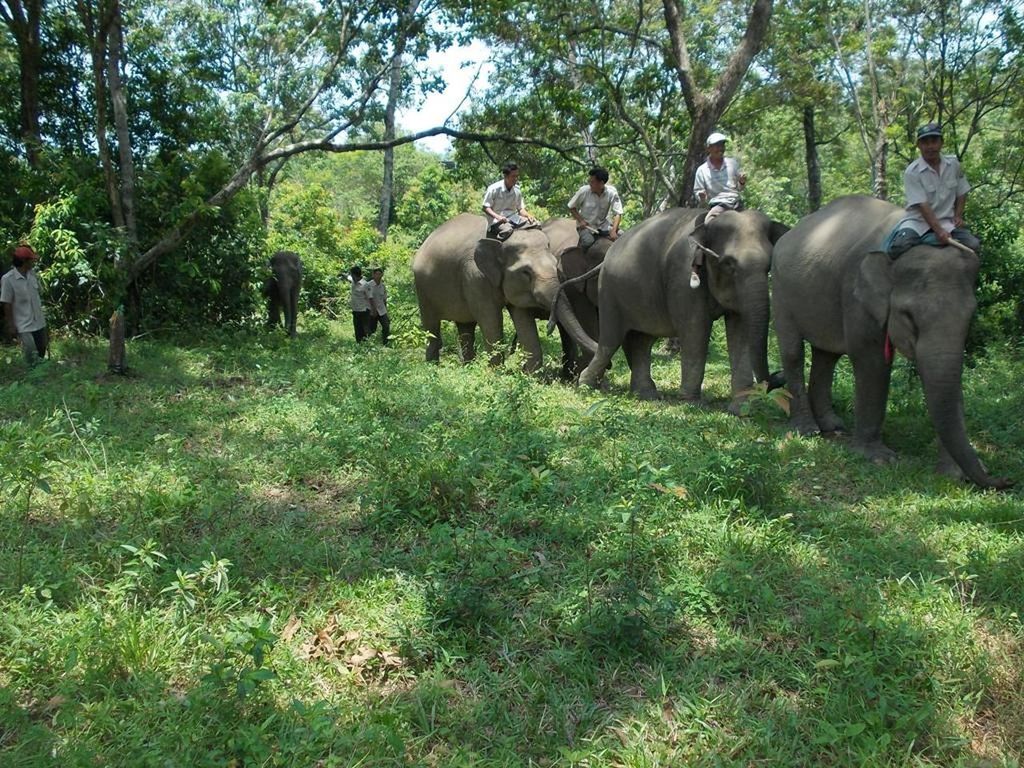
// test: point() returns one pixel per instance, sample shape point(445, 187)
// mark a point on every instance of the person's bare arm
point(929, 216)
point(10, 332)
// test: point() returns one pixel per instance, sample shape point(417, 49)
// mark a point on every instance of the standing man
point(23, 309)
point(503, 204)
point(718, 184)
point(936, 192)
point(592, 205)
point(377, 293)
point(359, 302)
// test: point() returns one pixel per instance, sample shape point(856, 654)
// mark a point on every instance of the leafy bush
point(1000, 291)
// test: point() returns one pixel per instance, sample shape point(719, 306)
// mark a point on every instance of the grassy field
point(305, 553)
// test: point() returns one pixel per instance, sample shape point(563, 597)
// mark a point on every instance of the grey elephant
point(833, 288)
point(644, 293)
point(574, 262)
point(462, 275)
point(281, 289)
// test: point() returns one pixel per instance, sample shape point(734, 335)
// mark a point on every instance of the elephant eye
point(526, 271)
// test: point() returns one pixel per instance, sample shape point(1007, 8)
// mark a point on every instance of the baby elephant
point(282, 289)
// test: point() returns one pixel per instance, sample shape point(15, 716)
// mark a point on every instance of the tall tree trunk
point(96, 22)
point(706, 108)
point(387, 189)
point(22, 17)
point(124, 140)
point(403, 33)
point(811, 155)
point(880, 168)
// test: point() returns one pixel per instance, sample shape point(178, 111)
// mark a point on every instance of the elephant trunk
point(755, 322)
point(941, 379)
point(562, 309)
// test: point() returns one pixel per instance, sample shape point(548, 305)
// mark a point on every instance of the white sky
point(438, 106)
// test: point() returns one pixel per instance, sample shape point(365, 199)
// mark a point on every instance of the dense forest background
point(156, 153)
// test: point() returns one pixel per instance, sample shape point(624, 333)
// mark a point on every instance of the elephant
point(834, 288)
point(644, 293)
point(462, 275)
point(574, 262)
point(282, 289)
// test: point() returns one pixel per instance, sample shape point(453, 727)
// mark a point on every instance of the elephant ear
point(776, 230)
point(574, 262)
point(873, 286)
point(489, 260)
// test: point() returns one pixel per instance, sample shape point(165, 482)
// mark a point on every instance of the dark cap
point(929, 129)
point(25, 252)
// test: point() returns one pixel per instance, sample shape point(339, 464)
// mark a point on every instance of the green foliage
point(1000, 293)
point(215, 275)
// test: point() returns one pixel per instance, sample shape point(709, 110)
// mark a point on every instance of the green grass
point(269, 552)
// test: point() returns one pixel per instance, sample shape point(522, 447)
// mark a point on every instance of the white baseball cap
point(716, 138)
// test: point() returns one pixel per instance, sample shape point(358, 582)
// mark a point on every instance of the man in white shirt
point(23, 309)
point(359, 302)
point(377, 293)
point(503, 204)
point(718, 184)
point(936, 191)
point(597, 208)
point(719, 180)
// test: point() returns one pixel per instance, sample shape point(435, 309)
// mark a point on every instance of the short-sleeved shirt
point(595, 208)
point(502, 200)
point(22, 291)
point(378, 296)
point(359, 299)
point(940, 189)
point(721, 185)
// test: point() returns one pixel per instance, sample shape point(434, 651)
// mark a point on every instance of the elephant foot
point(589, 379)
point(876, 452)
point(946, 467)
point(804, 424)
point(831, 424)
point(776, 380)
point(646, 393)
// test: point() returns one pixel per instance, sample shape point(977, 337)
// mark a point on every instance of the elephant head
point(525, 271)
point(925, 301)
point(738, 252)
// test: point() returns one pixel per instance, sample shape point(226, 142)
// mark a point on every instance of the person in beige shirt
point(23, 309)
point(377, 293)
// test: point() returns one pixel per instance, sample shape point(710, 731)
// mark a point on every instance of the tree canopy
point(146, 142)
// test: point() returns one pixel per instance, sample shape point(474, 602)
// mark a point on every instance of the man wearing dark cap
point(936, 191)
point(378, 294)
point(23, 309)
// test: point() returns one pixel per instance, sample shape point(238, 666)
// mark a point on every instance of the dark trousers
point(361, 324)
point(34, 344)
point(588, 238)
point(902, 240)
point(385, 328)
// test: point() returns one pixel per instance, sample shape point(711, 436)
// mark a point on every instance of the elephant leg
point(637, 347)
point(526, 330)
point(432, 325)
point(491, 330)
point(871, 383)
point(740, 364)
point(467, 339)
point(611, 338)
point(791, 350)
point(947, 465)
point(570, 355)
point(694, 340)
point(823, 369)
